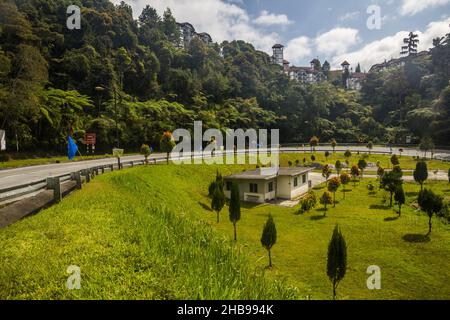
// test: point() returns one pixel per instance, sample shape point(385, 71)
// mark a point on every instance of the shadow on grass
point(317, 218)
point(204, 206)
point(372, 193)
point(250, 205)
point(411, 194)
point(416, 238)
point(388, 219)
point(379, 207)
point(319, 187)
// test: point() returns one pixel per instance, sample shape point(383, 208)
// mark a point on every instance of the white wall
point(244, 188)
point(286, 189)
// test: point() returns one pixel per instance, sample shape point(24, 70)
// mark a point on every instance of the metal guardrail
point(8, 195)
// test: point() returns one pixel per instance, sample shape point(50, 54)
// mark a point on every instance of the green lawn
point(406, 163)
point(129, 245)
point(126, 248)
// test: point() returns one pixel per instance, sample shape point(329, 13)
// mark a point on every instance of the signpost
point(118, 153)
point(90, 140)
point(2, 140)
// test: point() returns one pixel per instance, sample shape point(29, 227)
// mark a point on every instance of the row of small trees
point(426, 144)
point(166, 144)
point(216, 192)
point(314, 142)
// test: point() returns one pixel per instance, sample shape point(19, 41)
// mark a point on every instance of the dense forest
point(55, 81)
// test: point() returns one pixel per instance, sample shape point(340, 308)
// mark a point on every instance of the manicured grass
point(127, 248)
point(374, 236)
point(406, 163)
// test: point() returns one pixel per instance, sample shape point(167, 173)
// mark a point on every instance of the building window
point(270, 186)
point(304, 179)
point(253, 188)
point(295, 182)
point(229, 183)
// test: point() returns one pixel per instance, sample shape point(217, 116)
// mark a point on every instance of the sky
point(359, 31)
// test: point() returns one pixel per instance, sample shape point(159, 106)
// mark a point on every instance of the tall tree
point(390, 182)
point(362, 165)
point(337, 259)
point(421, 173)
point(426, 144)
point(333, 186)
point(325, 200)
point(431, 204)
point(235, 207)
point(170, 27)
point(345, 179)
point(313, 143)
point(338, 166)
point(333, 144)
point(355, 172)
point(269, 236)
point(399, 198)
point(218, 202)
point(326, 68)
point(411, 44)
point(326, 172)
point(167, 143)
point(149, 17)
point(370, 146)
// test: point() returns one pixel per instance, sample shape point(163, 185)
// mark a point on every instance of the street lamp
point(102, 88)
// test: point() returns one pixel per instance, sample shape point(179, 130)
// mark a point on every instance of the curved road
point(20, 176)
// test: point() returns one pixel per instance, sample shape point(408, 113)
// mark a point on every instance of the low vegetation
point(128, 247)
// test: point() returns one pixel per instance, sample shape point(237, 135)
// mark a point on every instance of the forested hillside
point(54, 81)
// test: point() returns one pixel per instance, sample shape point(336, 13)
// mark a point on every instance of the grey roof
point(294, 171)
point(268, 173)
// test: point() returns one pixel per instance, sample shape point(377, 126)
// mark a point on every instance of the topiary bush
point(307, 203)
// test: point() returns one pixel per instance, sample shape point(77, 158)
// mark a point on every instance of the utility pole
point(116, 113)
point(116, 119)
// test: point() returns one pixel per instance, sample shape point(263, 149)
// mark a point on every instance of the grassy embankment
point(126, 248)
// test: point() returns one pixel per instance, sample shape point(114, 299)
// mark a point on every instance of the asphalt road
point(24, 175)
point(20, 176)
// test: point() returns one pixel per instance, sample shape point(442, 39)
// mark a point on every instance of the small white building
point(266, 184)
point(355, 81)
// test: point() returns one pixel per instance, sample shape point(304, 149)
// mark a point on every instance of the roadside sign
point(117, 152)
point(2, 140)
point(90, 138)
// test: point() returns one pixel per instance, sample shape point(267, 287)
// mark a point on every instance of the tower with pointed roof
point(278, 55)
point(345, 65)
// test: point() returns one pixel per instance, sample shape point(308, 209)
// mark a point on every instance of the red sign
point(90, 138)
